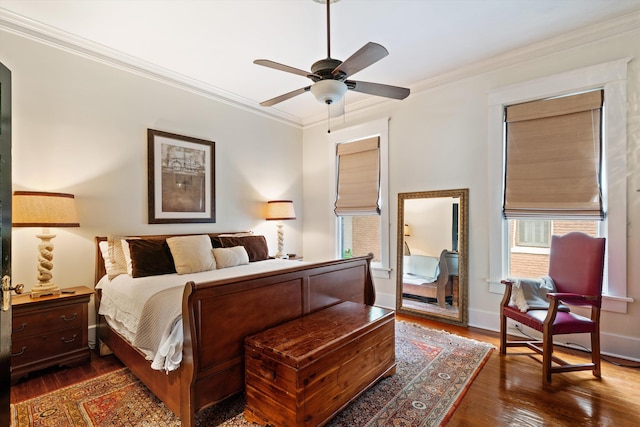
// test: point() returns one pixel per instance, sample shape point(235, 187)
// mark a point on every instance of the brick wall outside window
point(366, 236)
point(524, 264)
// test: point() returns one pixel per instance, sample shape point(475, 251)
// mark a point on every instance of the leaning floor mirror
point(432, 254)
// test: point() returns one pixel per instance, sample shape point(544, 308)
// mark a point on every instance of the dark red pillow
point(256, 246)
point(150, 257)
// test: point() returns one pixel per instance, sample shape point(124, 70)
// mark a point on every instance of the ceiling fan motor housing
point(324, 68)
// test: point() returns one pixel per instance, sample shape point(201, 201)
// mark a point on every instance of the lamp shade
point(280, 210)
point(407, 230)
point(329, 91)
point(41, 209)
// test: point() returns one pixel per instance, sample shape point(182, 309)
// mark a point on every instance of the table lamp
point(41, 209)
point(279, 210)
point(407, 233)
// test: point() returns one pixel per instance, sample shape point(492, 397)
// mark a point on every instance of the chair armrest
point(571, 298)
point(507, 292)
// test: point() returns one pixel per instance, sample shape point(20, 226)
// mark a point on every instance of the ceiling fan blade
point(284, 97)
point(282, 67)
point(368, 54)
point(378, 89)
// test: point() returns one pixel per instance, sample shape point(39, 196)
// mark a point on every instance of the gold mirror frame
point(457, 311)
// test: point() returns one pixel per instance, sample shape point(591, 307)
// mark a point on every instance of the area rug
point(434, 370)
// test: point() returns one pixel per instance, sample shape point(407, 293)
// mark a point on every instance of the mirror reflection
point(432, 258)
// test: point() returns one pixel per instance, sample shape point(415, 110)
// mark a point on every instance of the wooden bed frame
point(218, 316)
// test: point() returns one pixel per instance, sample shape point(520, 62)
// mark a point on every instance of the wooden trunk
point(302, 373)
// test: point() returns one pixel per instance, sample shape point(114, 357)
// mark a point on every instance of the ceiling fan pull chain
point(328, 112)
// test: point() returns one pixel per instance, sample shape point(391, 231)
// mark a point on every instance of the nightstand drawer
point(42, 346)
point(36, 323)
point(50, 330)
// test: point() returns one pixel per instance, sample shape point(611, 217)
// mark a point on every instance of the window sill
point(530, 250)
point(380, 272)
point(615, 304)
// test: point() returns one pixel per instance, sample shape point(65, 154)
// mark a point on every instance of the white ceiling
point(211, 44)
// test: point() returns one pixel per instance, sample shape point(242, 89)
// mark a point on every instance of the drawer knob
point(20, 353)
point(69, 319)
point(70, 340)
point(21, 328)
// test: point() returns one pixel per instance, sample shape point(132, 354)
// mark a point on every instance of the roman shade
point(358, 177)
point(553, 158)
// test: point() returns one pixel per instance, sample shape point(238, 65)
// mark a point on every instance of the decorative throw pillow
point(127, 256)
point(192, 254)
point(150, 257)
point(230, 257)
point(108, 265)
point(256, 246)
point(117, 264)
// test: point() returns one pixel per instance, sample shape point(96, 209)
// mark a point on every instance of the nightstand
point(49, 331)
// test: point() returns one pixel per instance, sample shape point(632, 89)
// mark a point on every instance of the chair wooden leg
point(595, 353)
point(547, 355)
point(503, 333)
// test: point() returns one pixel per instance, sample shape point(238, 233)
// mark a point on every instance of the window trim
point(378, 128)
point(612, 77)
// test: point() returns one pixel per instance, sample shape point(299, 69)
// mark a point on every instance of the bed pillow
point(192, 254)
point(256, 246)
point(230, 257)
point(215, 240)
point(109, 267)
point(113, 256)
point(127, 256)
point(150, 257)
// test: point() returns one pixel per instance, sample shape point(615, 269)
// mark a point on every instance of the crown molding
point(583, 36)
point(45, 34)
point(617, 26)
point(33, 30)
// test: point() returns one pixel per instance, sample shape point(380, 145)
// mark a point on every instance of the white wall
point(80, 126)
point(430, 222)
point(438, 140)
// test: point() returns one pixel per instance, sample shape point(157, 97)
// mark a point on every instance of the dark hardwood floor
point(508, 391)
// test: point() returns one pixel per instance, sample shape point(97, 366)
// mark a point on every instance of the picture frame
point(181, 178)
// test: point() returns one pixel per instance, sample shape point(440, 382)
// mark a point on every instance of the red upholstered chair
point(576, 265)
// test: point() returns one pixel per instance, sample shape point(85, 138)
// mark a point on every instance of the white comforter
point(124, 298)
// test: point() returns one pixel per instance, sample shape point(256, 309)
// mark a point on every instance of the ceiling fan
point(330, 76)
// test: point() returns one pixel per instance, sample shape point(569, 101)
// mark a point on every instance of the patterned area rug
point(434, 370)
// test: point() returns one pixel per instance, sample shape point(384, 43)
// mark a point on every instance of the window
point(360, 235)
point(552, 169)
point(361, 230)
point(611, 78)
point(530, 241)
point(534, 233)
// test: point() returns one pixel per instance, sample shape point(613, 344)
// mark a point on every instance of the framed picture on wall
point(181, 180)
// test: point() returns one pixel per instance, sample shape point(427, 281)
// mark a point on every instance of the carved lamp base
point(45, 265)
point(43, 289)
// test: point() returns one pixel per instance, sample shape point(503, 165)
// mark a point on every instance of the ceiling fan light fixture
point(329, 91)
